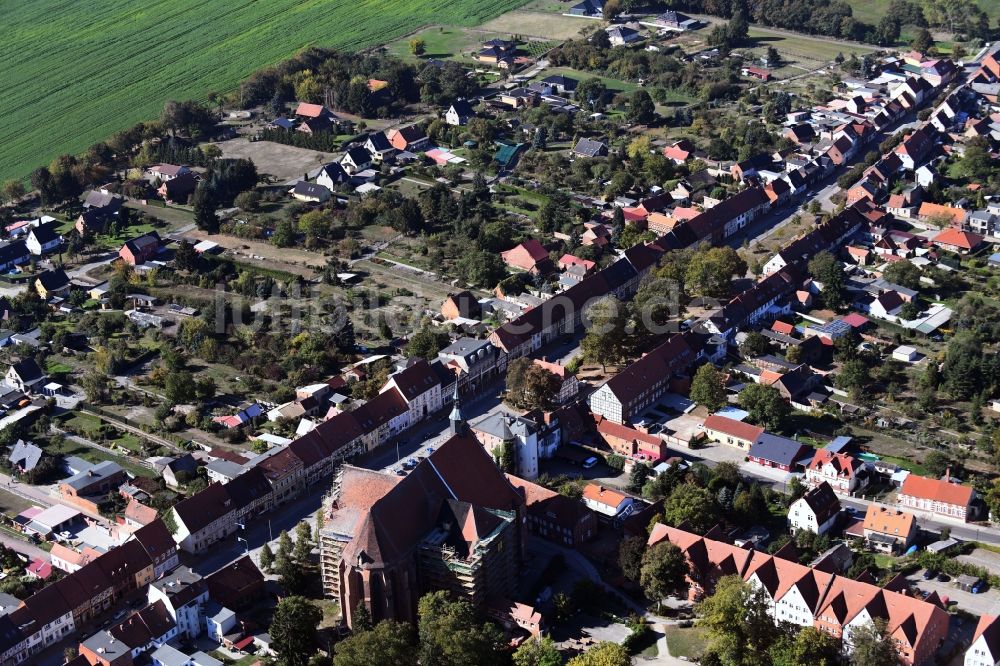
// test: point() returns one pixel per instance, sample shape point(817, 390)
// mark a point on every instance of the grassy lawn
point(611, 84)
point(686, 642)
point(801, 48)
point(109, 64)
point(11, 504)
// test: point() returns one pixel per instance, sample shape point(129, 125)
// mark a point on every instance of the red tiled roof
point(957, 238)
point(937, 490)
point(738, 429)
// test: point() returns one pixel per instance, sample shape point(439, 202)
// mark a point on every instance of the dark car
point(929, 573)
point(943, 577)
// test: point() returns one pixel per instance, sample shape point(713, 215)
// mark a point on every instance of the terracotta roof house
point(841, 471)
point(732, 432)
point(816, 511)
point(629, 442)
point(928, 211)
point(307, 110)
point(530, 256)
point(889, 530)
point(410, 138)
point(959, 241)
point(605, 501)
point(937, 496)
point(462, 304)
point(985, 647)
point(679, 152)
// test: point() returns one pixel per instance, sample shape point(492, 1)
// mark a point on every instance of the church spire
point(456, 418)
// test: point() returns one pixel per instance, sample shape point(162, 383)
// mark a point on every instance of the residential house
point(756, 73)
point(333, 175)
point(941, 497)
point(605, 501)
point(934, 213)
point(461, 305)
point(844, 473)
point(43, 239)
point(459, 113)
point(140, 249)
point(24, 456)
point(500, 431)
point(985, 647)
point(179, 190)
point(355, 159)
point(13, 254)
point(555, 517)
point(530, 256)
point(590, 148)
point(310, 192)
point(410, 138)
point(889, 530)
point(53, 282)
point(562, 85)
point(166, 172)
point(816, 511)
point(956, 240)
point(915, 148)
point(679, 152)
point(622, 35)
point(180, 471)
point(184, 595)
point(25, 375)
point(420, 388)
point(378, 146)
point(472, 361)
point(732, 432)
point(568, 384)
point(629, 442)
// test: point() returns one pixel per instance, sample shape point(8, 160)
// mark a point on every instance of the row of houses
point(56, 611)
point(809, 597)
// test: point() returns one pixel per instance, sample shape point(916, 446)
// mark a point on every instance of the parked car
point(929, 573)
point(943, 577)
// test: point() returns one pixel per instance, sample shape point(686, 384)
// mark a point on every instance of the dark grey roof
point(13, 251)
point(780, 450)
point(25, 455)
point(589, 147)
point(45, 233)
point(89, 476)
point(28, 370)
point(358, 155)
point(310, 189)
point(53, 280)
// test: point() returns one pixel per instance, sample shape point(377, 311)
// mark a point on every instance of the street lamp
point(246, 544)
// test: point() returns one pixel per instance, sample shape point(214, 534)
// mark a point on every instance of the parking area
point(987, 602)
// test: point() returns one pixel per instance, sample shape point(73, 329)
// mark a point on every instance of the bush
point(615, 462)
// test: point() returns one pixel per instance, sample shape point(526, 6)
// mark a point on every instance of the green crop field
point(75, 72)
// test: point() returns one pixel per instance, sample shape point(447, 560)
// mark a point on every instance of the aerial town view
point(507, 333)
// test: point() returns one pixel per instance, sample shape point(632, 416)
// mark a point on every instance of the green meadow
point(76, 72)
